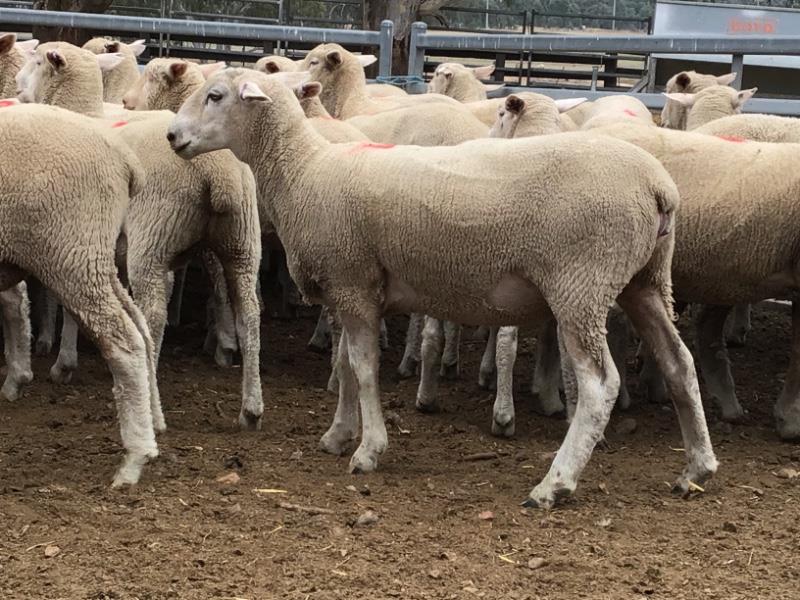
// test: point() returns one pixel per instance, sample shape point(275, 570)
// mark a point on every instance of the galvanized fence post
point(387, 40)
point(737, 65)
point(416, 54)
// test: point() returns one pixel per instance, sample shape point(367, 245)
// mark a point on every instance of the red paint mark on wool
point(362, 146)
point(5, 103)
point(732, 138)
point(119, 124)
point(629, 112)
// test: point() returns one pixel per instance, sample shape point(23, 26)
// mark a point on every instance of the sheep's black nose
point(170, 137)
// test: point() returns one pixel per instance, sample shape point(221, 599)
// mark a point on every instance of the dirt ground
point(182, 534)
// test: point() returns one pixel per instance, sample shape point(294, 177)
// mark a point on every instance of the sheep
point(180, 207)
point(735, 243)
point(719, 101)
point(272, 64)
point(165, 83)
point(64, 233)
point(462, 83)
point(117, 81)
point(358, 261)
point(527, 114)
point(13, 55)
point(611, 109)
point(673, 115)
point(344, 87)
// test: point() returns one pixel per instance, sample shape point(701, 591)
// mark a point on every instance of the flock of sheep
point(590, 219)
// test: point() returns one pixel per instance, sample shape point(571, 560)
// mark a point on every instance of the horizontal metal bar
point(11, 17)
point(643, 44)
point(772, 106)
point(587, 17)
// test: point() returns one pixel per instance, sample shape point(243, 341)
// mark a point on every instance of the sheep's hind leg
point(427, 392)
point(787, 408)
point(176, 298)
point(224, 319)
point(17, 338)
point(46, 307)
point(546, 371)
point(321, 338)
point(714, 363)
point(450, 357)
point(364, 355)
point(503, 422)
point(411, 354)
point(344, 428)
point(598, 386)
point(336, 334)
point(67, 361)
point(646, 309)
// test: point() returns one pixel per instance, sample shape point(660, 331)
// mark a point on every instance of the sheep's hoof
point(449, 372)
point(333, 384)
point(224, 357)
point(408, 369)
point(335, 441)
point(427, 406)
point(503, 430)
point(43, 347)
point(131, 469)
point(737, 339)
point(319, 347)
point(788, 429)
point(548, 406)
point(624, 399)
point(249, 421)
point(487, 380)
point(364, 461)
point(546, 496)
point(732, 412)
point(61, 373)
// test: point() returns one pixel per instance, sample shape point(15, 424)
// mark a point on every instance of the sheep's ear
point(108, 61)
point(292, 79)
point(446, 72)
point(683, 80)
point(137, 47)
point(680, 98)
point(333, 58)
point(7, 41)
point(569, 103)
point(309, 89)
point(211, 68)
point(55, 58)
point(745, 95)
point(177, 70)
point(515, 104)
point(28, 46)
point(271, 66)
point(250, 91)
point(493, 87)
point(111, 47)
point(366, 60)
point(726, 79)
point(484, 72)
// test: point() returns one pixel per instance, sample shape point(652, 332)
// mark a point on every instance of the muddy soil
point(446, 527)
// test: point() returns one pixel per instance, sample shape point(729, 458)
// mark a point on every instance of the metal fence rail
point(736, 46)
point(11, 18)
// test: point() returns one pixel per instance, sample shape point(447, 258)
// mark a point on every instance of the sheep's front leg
point(17, 338)
point(45, 316)
point(336, 334)
point(714, 363)
point(224, 318)
point(432, 335)
point(503, 423)
point(364, 355)
point(787, 409)
point(67, 360)
point(450, 356)
point(344, 428)
point(321, 338)
point(546, 371)
point(411, 354)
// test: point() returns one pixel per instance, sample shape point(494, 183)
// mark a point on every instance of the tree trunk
point(402, 13)
point(67, 34)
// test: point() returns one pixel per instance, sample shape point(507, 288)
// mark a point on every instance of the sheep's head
point(101, 45)
point(13, 55)
point(462, 83)
point(55, 65)
point(527, 114)
point(333, 66)
point(673, 115)
point(276, 64)
point(166, 82)
point(230, 108)
point(711, 103)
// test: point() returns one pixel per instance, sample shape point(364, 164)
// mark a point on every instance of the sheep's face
point(13, 55)
point(442, 78)
point(327, 61)
point(509, 114)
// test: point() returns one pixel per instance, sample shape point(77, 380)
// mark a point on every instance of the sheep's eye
point(502, 113)
point(314, 62)
point(213, 97)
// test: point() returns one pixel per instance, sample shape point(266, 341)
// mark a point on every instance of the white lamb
point(357, 258)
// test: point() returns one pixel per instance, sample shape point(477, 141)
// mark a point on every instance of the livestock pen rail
point(424, 43)
point(254, 39)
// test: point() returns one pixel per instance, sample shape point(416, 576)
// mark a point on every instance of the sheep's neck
point(539, 122)
point(470, 90)
point(279, 154)
point(314, 109)
point(80, 94)
point(705, 113)
point(348, 96)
